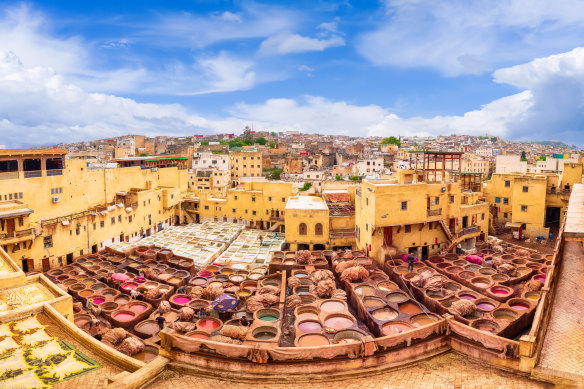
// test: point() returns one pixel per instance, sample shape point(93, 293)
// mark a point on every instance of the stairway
point(445, 229)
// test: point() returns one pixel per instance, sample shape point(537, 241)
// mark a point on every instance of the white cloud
point(472, 36)
point(305, 68)
point(225, 73)
point(293, 43)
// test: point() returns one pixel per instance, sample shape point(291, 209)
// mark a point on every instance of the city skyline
point(71, 72)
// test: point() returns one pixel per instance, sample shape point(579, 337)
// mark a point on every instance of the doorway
point(94, 249)
point(25, 265)
point(46, 265)
point(10, 226)
point(319, 246)
point(452, 225)
point(464, 221)
point(303, 246)
point(424, 253)
point(69, 258)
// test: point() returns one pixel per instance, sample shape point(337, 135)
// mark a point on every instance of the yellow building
point(54, 208)
point(531, 202)
point(209, 180)
point(258, 204)
point(421, 218)
point(307, 223)
point(246, 162)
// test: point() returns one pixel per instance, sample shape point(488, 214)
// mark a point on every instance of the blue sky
point(84, 70)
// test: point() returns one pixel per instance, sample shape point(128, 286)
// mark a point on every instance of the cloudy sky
point(84, 70)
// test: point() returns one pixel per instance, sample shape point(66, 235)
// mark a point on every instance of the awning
point(16, 212)
point(513, 225)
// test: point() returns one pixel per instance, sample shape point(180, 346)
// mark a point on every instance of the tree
point(392, 140)
point(339, 178)
point(143, 154)
point(274, 134)
point(276, 172)
point(523, 156)
point(272, 145)
point(306, 186)
point(354, 178)
point(204, 143)
point(262, 141)
point(247, 142)
point(494, 139)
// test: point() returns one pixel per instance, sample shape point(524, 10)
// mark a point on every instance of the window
point(437, 201)
point(119, 218)
point(20, 221)
point(206, 207)
point(507, 184)
point(497, 200)
point(404, 205)
point(235, 197)
point(77, 231)
point(253, 199)
point(452, 199)
point(270, 198)
point(408, 228)
point(95, 225)
point(283, 199)
point(505, 215)
point(302, 229)
point(318, 229)
point(253, 212)
point(525, 189)
point(130, 218)
point(506, 200)
point(48, 241)
point(233, 210)
point(367, 201)
point(482, 216)
point(113, 220)
point(524, 208)
point(101, 224)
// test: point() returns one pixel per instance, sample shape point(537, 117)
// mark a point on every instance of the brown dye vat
point(312, 340)
point(222, 278)
point(237, 278)
point(301, 290)
point(422, 320)
point(460, 262)
point(122, 299)
point(350, 335)
point(486, 325)
point(147, 355)
point(99, 286)
point(437, 295)
point(308, 315)
point(476, 315)
point(69, 282)
point(365, 290)
point(198, 281)
point(171, 316)
point(89, 281)
point(226, 270)
point(396, 297)
point(150, 284)
point(454, 269)
point(466, 275)
point(198, 304)
point(373, 302)
point(174, 280)
point(384, 314)
point(146, 328)
point(435, 259)
point(394, 262)
point(378, 276)
point(109, 306)
point(473, 268)
point(181, 274)
point(487, 271)
point(164, 276)
point(451, 256)
point(409, 276)
point(86, 293)
point(409, 308)
point(481, 282)
point(507, 257)
point(249, 285)
point(265, 333)
point(387, 286)
point(521, 271)
point(215, 284)
point(452, 287)
point(443, 265)
point(81, 319)
point(63, 278)
point(505, 314)
point(211, 268)
point(243, 293)
point(500, 277)
point(519, 261)
point(401, 270)
point(534, 266)
point(446, 303)
point(138, 307)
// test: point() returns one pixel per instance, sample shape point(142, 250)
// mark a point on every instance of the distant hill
point(554, 143)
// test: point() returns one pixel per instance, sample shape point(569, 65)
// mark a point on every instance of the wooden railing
point(435, 212)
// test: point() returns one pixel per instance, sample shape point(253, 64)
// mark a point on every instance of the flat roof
point(306, 202)
point(16, 152)
point(574, 226)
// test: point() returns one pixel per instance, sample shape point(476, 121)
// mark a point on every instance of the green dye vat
point(269, 317)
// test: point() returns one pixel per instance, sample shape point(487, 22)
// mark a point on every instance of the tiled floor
point(563, 348)
point(95, 379)
point(448, 370)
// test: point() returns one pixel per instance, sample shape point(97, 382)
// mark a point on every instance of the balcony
point(342, 234)
point(16, 236)
point(8, 175)
point(468, 231)
point(277, 218)
point(33, 174)
point(435, 212)
point(54, 172)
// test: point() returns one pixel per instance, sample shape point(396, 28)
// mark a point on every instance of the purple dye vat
point(98, 301)
point(181, 300)
point(309, 326)
point(486, 306)
point(520, 306)
point(467, 297)
point(539, 278)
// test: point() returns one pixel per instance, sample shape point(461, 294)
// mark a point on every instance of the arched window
point(318, 229)
point(302, 229)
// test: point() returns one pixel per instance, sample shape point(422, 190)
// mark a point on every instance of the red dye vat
point(539, 278)
point(520, 307)
point(181, 300)
point(486, 306)
point(129, 285)
point(395, 328)
point(467, 297)
point(208, 324)
point(499, 291)
point(205, 273)
point(124, 316)
point(98, 301)
point(309, 326)
point(199, 336)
